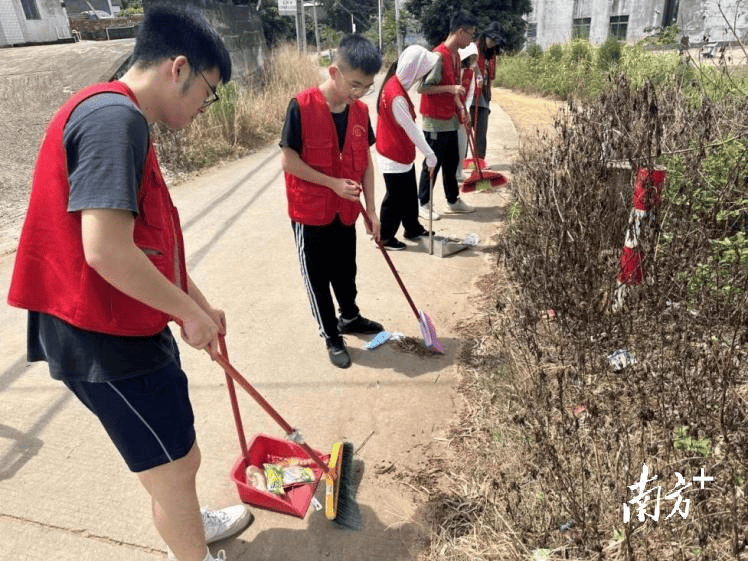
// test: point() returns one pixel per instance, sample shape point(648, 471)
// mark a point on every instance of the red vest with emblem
point(317, 205)
point(442, 106)
point(392, 141)
point(51, 274)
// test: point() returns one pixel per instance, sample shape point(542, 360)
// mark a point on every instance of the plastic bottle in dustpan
point(264, 449)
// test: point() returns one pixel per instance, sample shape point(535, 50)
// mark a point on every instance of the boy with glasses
point(101, 269)
point(440, 91)
point(325, 156)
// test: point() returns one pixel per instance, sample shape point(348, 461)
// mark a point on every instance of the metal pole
point(397, 28)
point(316, 29)
point(298, 27)
point(302, 27)
point(379, 17)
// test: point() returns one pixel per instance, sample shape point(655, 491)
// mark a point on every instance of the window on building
point(532, 33)
point(580, 28)
point(618, 27)
point(30, 10)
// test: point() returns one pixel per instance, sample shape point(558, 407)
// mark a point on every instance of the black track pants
point(327, 256)
point(444, 145)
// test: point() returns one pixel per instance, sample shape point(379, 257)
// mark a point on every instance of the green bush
point(555, 53)
point(610, 53)
point(534, 51)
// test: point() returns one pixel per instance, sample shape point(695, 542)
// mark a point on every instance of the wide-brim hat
point(494, 31)
point(470, 50)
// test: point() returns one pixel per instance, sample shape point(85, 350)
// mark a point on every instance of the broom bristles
point(348, 513)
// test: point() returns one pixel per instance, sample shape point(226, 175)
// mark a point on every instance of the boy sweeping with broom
point(325, 156)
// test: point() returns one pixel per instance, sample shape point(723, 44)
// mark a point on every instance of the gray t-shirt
point(106, 140)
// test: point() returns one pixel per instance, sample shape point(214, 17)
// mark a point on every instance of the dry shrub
point(249, 114)
point(551, 440)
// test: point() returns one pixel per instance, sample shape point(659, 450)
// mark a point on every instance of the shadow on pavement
point(410, 364)
point(323, 540)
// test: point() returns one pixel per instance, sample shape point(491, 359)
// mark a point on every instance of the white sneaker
point(220, 524)
point(423, 212)
point(459, 207)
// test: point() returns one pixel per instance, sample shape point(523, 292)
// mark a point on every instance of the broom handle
point(242, 381)
point(471, 141)
point(392, 266)
point(234, 402)
point(476, 102)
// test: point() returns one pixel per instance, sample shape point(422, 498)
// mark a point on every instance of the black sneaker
point(338, 353)
point(394, 244)
point(359, 325)
point(422, 233)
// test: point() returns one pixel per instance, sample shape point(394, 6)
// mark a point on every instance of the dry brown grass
point(247, 117)
point(550, 437)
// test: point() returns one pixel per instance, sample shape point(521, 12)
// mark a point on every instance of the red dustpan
point(261, 450)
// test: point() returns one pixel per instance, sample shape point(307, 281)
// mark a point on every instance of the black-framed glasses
point(213, 97)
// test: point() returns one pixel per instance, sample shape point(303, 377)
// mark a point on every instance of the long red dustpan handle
point(245, 385)
point(234, 402)
point(392, 266)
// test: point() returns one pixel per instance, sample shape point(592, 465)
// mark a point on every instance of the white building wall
point(15, 29)
point(52, 26)
point(10, 27)
point(553, 19)
point(695, 19)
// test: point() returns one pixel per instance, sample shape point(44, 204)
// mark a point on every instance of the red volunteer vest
point(392, 142)
point(442, 106)
point(317, 205)
point(467, 78)
point(51, 274)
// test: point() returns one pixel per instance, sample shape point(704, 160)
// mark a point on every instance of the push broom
point(340, 503)
point(428, 331)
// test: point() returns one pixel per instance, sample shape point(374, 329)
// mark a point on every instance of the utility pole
point(316, 28)
point(397, 28)
point(300, 27)
point(379, 18)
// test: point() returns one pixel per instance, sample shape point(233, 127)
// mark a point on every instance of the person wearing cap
point(488, 45)
point(470, 77)
point(397, 139)
point(439, 91)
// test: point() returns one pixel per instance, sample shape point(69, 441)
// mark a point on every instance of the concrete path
point(66, 495)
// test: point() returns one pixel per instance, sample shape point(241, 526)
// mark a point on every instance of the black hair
point(462, 19)
point(466, 61)
point(357, 52)
point(169, 31)
point(390, 73)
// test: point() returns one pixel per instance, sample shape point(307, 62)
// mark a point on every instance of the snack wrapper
point(274, 477)
point(297, 474)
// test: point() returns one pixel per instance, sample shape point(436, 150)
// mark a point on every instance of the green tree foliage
point(275, 27)
point(339, 13)
point(434, 16)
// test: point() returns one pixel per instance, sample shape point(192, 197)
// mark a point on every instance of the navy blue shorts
point(149, 418)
